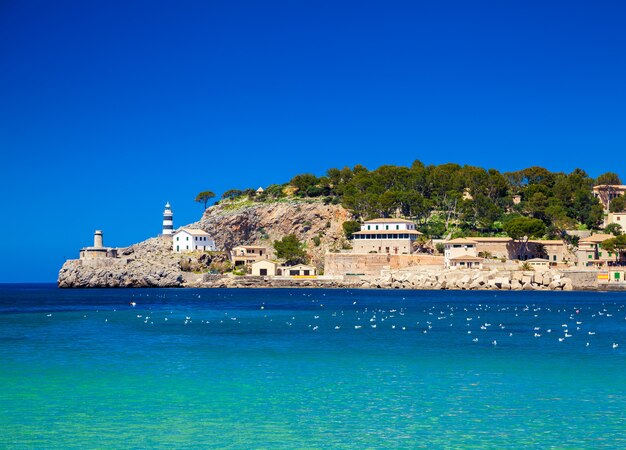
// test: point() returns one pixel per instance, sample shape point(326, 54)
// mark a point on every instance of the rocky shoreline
point(152, 263)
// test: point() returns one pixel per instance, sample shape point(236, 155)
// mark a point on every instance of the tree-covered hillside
point(451, 198)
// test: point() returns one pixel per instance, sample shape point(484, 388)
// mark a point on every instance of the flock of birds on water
point(475, 321)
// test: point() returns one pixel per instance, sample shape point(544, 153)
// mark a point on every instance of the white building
point(391, 236)
point(191, 239)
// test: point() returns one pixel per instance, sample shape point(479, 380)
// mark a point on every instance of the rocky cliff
point(152, 263)
point(261, 223)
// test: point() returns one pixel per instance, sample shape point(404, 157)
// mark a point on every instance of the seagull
point(615, 345)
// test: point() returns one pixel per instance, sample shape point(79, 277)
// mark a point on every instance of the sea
point(311, 369)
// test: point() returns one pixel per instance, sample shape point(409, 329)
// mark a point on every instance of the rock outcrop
point(152, 263)
point(147, 264)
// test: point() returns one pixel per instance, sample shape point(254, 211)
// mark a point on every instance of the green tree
point(230, 194)
point(275, 191)
point(291, 250)
point(608, 178)
point(617, 245)
point(524, 228)
point(618, 204)
point(350, 227)
point(613, 228)
point(204, 197)
point(304, 182)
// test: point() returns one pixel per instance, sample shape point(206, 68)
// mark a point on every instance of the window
point(589, 256)
point(386, 227)
point(187, 237)
point(397, 227)
point(368, 227)
point(377, 227)
point(176, 237)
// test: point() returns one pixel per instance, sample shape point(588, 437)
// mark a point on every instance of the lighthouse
point(168, 220)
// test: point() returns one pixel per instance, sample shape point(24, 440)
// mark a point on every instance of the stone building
point(98, 250)
point(390, 236)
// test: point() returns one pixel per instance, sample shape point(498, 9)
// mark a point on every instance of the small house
point(264, 268)
point(300, 270)
point(538, 263)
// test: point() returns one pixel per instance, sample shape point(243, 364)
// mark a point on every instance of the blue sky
point(99, 101)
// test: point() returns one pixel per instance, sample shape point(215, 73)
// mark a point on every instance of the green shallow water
point(233, 375)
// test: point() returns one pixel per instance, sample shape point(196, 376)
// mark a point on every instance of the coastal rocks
point(116, 273)
point(147, 264)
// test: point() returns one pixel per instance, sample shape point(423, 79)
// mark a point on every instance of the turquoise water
point(308, 369)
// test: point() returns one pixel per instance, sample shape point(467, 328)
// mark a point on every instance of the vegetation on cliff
point(450, 198)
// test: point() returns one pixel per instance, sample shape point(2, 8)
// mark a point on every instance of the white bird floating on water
point(615, 345)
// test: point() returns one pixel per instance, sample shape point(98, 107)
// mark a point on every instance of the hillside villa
point(591, 254)
point(247, 254)
point(607, 192)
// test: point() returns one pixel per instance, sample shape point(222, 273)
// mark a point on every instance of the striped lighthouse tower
point(168, 220)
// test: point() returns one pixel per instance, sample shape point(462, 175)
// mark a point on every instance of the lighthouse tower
point(168, 220)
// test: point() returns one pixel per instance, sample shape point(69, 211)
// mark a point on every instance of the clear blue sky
point(99, 101)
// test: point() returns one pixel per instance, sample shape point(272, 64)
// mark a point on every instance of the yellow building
point(590, 253)
point(247, 254)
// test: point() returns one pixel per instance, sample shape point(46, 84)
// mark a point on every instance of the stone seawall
point(339, 264)
point(473, 280)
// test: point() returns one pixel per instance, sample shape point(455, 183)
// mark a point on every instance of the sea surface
point(296, 368)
